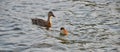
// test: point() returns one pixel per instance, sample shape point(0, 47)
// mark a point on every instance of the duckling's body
point(44, 23)
point(63, 31)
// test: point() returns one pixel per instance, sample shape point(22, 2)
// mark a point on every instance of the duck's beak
point(53, 15)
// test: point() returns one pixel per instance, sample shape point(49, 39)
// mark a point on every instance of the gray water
point(93, 25)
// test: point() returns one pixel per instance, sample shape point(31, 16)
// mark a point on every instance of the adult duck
point(44, 23)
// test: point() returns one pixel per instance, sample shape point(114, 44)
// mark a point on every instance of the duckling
point(44, 23)
point(63, 31)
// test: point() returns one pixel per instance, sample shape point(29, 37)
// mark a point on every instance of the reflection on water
point(93, 25)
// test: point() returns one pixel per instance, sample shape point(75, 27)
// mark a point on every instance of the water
point(93, 25)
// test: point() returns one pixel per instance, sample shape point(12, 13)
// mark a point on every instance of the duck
point(44, 23)
point(63, 31)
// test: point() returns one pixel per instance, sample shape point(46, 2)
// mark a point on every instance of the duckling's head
point(62, 28)
point(63, 31)
point(50, 13)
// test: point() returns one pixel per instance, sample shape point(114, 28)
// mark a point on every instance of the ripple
point(77, 41)
point(22, 45)
point(6, 50)
point(43, 45)
point(9, 43)
point(118, 9)
point(59, 48)
point(4, 30)
point(19, 6)
point(21, 33)
point(17, 28)
point(26, 3)
point(4, 34)
point(13, 25)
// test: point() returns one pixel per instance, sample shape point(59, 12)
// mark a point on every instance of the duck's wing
point(39, 22)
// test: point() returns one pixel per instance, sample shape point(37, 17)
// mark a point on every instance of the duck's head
point(50, 13)
point(63, 31)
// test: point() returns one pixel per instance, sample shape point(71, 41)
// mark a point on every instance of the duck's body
point(44, 23)
point(63, 31)
point(41, 22)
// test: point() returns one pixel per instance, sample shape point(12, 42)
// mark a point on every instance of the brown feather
point(39, 22)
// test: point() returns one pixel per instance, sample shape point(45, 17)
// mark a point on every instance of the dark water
point(93, 25)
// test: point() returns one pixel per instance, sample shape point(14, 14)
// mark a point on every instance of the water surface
point(93, 25)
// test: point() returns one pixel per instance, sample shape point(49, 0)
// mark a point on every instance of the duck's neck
point(49, 19)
